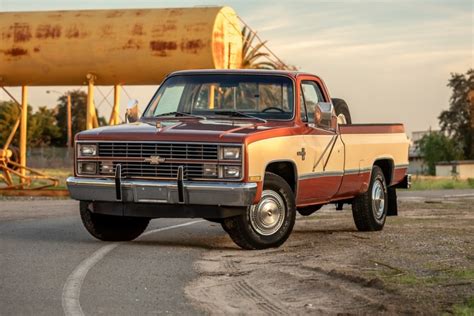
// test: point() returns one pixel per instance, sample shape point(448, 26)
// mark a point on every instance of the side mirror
point(324, 116)
point(131, 115)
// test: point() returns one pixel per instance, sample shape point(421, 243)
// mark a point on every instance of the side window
point(311, 94)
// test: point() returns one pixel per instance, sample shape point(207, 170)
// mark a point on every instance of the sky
point(390, 60)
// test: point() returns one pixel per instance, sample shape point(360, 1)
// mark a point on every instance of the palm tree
point(253, 56)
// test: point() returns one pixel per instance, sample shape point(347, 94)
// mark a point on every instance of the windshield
point(237, 96)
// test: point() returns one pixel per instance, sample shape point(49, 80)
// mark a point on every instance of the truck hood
point(183, 130)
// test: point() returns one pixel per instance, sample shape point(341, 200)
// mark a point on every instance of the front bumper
point(162, 192)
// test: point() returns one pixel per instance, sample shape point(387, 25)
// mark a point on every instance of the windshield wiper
point(176, 113)
point(241, 114)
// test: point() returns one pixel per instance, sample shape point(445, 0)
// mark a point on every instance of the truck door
point(325, 150)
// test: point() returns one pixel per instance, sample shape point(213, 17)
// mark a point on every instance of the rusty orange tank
point(132, 46)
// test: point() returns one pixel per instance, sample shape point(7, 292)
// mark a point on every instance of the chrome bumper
point(165, 192)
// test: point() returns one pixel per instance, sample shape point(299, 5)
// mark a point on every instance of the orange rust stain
point(36, 49)
point(55, 15)
point(161, 48)
point(16, 51)
point(114, 14)
point(196, 27)
point(107, 30)
point(176, 12)
point(72, 32)
point(192, 46)
point(21, 32)
point(48, 31)
point(138, 29)
point(132, 44)
point(163, 28)
point(218, 53)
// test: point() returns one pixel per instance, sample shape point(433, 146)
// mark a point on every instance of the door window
point(310, 96)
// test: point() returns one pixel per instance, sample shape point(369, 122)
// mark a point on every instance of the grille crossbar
point(165, 170)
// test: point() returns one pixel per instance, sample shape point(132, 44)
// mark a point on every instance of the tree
point(435, 147)
point(44, 130)
point(253, 56)
point(456, 121)
point(9, 114)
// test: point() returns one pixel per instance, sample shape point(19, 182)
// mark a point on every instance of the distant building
point(462, 169)
point(416, 163)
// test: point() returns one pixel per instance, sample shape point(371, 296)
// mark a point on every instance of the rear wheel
point(112, 228)
point(370, 208)
point(269, 223)
point(341, 107)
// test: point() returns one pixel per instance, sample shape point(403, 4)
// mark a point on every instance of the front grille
point(164, 150)
point(131, 169)
point(160, 160)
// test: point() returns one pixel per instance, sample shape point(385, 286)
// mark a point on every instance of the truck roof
point(290, 73)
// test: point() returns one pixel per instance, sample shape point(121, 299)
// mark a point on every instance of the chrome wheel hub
point(378, 199)
point(267, 217)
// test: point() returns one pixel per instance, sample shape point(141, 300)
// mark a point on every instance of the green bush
point(470, 181)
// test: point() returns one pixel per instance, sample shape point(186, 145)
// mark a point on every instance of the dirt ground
point(421, 263)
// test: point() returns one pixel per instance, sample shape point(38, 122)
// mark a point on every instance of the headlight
point(209, 171)
point(107, 167)
point(87, 150)
point(87, 168)
point(231, 153)
point(231, 172)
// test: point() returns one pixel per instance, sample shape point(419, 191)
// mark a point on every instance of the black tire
point(308, 210)
point(243, 230)
point(215, 220)
point(341, 107)
point(112, 228)
point(367, 216)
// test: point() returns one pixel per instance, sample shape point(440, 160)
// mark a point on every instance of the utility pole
point(69, 121)
point(23, 129)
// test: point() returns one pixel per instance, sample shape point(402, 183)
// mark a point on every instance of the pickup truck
point(245, 148)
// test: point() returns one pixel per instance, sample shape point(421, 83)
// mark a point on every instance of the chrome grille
point(132, 169)
point(164, 150)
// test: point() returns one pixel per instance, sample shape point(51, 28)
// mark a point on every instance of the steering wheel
point(273, 108)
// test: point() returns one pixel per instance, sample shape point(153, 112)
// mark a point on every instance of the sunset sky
point(390, 60)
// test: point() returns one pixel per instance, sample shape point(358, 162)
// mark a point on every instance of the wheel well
point(387, 168)
point(286, 170)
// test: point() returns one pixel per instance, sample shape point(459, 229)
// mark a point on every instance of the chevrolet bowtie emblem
point(155, 160)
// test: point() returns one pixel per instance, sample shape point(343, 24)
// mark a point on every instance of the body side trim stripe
point(340, 173)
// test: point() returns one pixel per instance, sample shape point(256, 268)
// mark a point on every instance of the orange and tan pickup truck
point(247, 149)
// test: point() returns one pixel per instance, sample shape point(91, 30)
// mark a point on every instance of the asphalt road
point(44, 254)
point(50, 265)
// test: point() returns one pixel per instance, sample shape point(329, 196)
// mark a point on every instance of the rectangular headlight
point(231, 171)
point(209, 171)
point(87, 168)
point(231, 153)
point(87, 150)
point(107, 167)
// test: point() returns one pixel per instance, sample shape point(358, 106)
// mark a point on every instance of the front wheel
point(266, 224)
point(370, 208)
point(112, 228)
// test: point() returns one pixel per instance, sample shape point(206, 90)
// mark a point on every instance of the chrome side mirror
point(131, 115)
point(324, 115)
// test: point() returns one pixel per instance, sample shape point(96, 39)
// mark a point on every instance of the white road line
point(72, 287)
